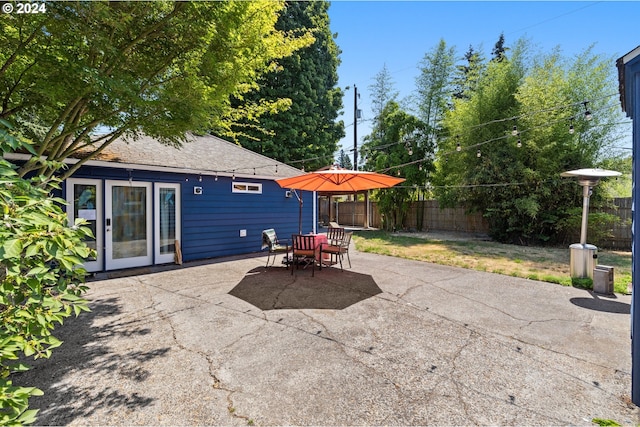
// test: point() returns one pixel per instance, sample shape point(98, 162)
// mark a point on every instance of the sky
point(372, 34)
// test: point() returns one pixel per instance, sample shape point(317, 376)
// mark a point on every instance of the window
point(245, 187)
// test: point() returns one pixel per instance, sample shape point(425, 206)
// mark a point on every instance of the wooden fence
point(456, 219)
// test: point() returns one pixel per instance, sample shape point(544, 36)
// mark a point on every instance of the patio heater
point(583, 256)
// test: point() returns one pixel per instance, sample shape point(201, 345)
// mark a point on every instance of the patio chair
point(270, 241)
point(303, 250)
point(337, 250)
point(344, 247)
point(335, 235)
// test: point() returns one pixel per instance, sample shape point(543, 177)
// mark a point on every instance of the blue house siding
point(211, 221)
point(630, 87)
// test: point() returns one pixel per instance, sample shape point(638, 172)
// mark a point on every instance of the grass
point(548, 264)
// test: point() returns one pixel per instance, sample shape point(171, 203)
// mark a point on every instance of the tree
point(403, 149)
point(499, 51)
point(433, 85)
point(307, 79)
point(128, 68)
point(515, 141)
point(344, 161)
point(382, 91)
point(468, 75)
point(40, 281)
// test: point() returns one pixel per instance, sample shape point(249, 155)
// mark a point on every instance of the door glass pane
point(84, 206)
point(129, 210)
point(167, 220)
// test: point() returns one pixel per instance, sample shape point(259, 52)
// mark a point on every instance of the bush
point(40, 278)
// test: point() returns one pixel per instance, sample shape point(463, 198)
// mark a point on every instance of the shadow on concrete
point(602, 304)
point(85, 353)
point(275, 288)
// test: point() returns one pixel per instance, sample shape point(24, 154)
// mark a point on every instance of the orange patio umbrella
point(338, 181)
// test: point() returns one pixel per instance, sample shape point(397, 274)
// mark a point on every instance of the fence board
point(457, 220)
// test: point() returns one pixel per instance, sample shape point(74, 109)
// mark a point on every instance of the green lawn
point(548, 264)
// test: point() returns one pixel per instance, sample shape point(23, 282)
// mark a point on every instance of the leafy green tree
point(434, 85)
point(404, 150)
point(382, 91)
point(307, 79)
point(515, 141)
point(40, 281)
point(159, 68)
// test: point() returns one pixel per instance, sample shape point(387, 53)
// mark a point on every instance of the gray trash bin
point(583, 260)
point(603, 279)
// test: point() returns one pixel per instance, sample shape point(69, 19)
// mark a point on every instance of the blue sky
point(399, 33)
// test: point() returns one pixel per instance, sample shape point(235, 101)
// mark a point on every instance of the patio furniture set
point(309, 249)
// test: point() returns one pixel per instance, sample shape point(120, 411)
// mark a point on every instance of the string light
point(514, 132)
point(571, 129)
point(478, 154)
point(587, 113)
point(519, 143)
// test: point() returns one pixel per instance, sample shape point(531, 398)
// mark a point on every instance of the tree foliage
point(344, 161)
point(467, 75)
point(405, 141)
point(159, 68)
point(434, 85)
point(514, 139)
point(40, 278)
point(307, 79)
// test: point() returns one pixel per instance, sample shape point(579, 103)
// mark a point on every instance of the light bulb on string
point(458, 147)
point(514, 132)
point(587, 113)
point(478, 154)
point(519, 143)
point(571, 128)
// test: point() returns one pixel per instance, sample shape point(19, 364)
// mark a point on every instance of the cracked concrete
point(439, 345)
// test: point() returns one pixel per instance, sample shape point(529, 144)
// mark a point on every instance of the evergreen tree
point(468, 74)
point(308, 128)
point(499, 51)
point(344, 161)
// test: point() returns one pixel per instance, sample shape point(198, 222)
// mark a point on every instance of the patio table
point(318, 240)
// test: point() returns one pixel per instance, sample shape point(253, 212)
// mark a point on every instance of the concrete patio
point(435, 346)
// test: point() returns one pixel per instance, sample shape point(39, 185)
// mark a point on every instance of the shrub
point(40, 278)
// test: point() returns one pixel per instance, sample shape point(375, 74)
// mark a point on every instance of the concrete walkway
point(437, 346)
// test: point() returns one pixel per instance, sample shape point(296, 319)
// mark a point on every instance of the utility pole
point(355, 128)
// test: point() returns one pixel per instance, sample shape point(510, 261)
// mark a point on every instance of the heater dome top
point(590, 174)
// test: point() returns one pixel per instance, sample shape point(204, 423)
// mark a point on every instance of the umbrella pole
point(299, 212)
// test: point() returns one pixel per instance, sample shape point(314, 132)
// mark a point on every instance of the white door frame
point(161, 258)
point(112, 263)
point(89, 214)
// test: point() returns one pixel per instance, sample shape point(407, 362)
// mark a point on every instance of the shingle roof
point(200, 154)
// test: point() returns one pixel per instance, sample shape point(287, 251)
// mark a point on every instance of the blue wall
point(632, 97)
point(211, 221)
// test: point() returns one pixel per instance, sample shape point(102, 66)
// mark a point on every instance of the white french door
point(166, 221)
point(85, 201)
point(128, 224)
